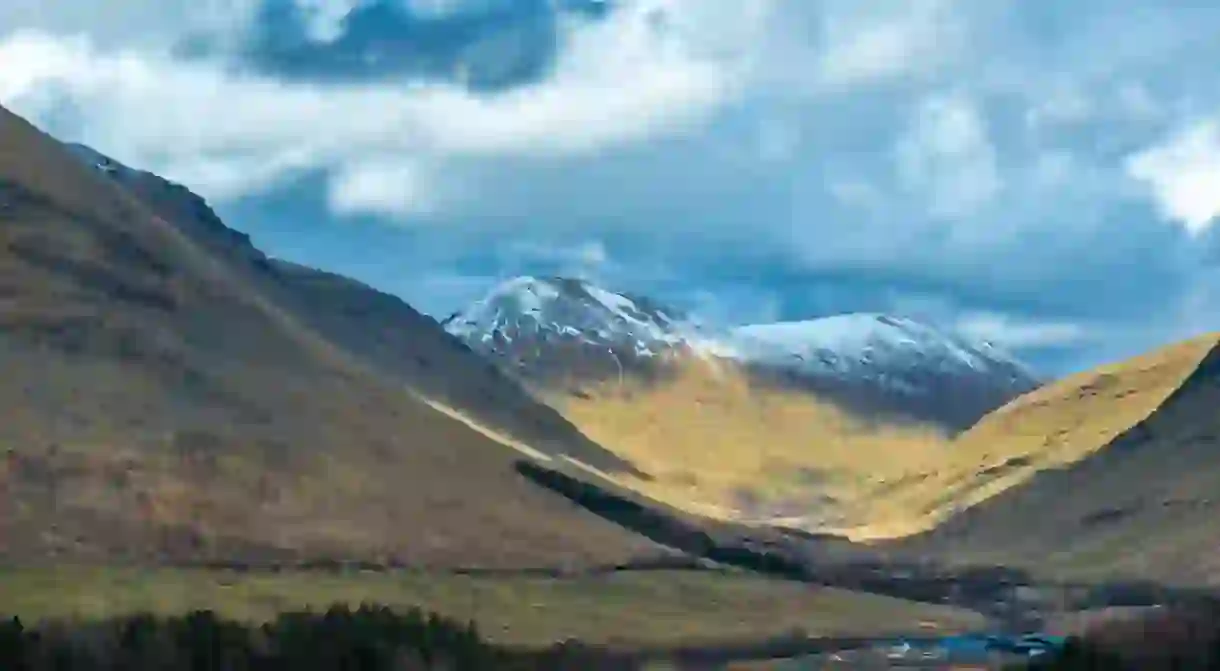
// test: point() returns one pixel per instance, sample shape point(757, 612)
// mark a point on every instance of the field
point(642, 608)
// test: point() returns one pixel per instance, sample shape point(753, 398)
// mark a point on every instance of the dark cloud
point(504, 44)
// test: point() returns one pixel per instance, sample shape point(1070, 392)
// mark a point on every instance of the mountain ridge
point(374, 327)
point(556, 332)
point(165, 401)
point(1125, 481)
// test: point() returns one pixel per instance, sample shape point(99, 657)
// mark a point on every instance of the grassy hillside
point(160, 404)
point(717, 444)
point(374, 328)
point(1131, 497)
point(1052, 427)
point(649, 607)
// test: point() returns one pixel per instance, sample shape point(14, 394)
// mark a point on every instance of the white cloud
point(1012, 333)
point(947, 157)
point(394, 187)
point(151, 24)
point(324, 18)
point(200, 121)
point(588, 259)
point(864, 42)
point(1184, 175)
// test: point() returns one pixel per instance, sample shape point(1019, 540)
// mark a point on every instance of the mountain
point(561, 332)
point(808, 425)
point(379, 328)
point(1110, 472)
point(877, 362)
point(171, 394)
point(555, 331)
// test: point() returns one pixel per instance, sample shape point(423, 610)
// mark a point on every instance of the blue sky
point(1045, 174)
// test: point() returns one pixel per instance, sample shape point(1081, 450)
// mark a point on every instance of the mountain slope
point(559, 333)
point(880, 363)
point(1128, 470)
point(160, 404)
point(375, 327)
point(716, 443)
point(802, 424)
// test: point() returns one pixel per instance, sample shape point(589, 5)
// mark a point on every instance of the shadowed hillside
point(377, 328)
point(1137, 450)
point(160, 404)
point(1053, 426)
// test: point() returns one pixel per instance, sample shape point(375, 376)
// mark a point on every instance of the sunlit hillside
point(1055, 426)
point(718, 444)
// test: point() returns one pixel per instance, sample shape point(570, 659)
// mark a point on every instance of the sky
point(1039, 173)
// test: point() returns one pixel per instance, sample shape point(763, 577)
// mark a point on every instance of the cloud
point(1183, 173)
point(448, 9)
point(873, 41)
point(383, 186)
point(287, 128)
point(778, 158)
point(1012, 333)
point(148, 24)
point(948, 155)
point(324, 18)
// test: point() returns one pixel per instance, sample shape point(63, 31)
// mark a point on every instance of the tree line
point(369, 638)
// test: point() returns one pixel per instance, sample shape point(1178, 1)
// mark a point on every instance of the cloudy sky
point(1042, 173)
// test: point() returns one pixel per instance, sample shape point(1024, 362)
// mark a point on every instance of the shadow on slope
point(1143, 503)
point(161, 403)
point(376, 328)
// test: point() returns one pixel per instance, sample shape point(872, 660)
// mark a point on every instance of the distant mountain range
point(562, 331)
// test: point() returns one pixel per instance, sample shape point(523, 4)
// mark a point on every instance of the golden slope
point(1141, 504)
point(717, 445)
point(1054, 426)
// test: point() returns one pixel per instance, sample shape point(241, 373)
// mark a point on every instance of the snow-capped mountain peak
point(560, 329)
point(552, 309)
point(848, 341)
point(880, 361)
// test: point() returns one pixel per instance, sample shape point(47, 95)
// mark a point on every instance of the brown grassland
point(629, 608)
point(161, 403)
point(718, 445)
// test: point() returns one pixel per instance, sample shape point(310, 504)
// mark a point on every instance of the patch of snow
point(615, 303)
point(892, 352)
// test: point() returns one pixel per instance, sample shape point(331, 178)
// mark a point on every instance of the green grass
point(627, 608)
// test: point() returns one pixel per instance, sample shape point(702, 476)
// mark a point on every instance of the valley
point(192, 424)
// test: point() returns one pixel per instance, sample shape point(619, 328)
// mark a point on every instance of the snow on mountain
point(882, 364)
point(555, 309)
point(888, 346)
point(559, 328)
